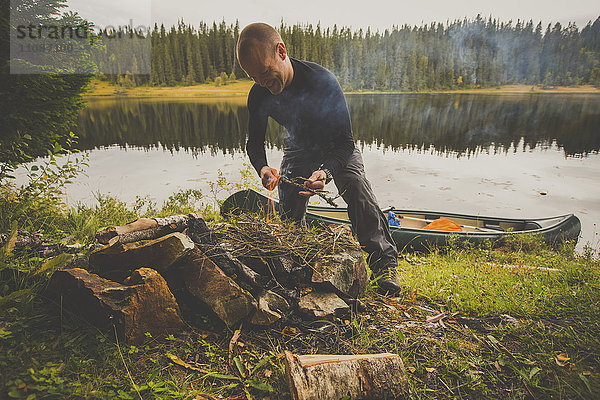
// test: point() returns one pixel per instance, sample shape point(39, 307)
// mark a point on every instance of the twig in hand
point(320, 193)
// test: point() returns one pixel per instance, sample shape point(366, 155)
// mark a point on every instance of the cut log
point(159, 254)
point(366, 376)
point(145, 228)
point(200, 233)
point(25, 241)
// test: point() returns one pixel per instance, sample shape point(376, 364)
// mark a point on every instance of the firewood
point(145, 229)
point(366, 376)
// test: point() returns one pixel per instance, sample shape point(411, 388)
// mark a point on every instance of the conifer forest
point(460, 54)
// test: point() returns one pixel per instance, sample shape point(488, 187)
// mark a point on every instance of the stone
point(322, 305)
point(209, 285)
point(284, 269)
point(143, 304)
point(344, 273)
point(271, 306)
point(159, 254)
point(245, 276)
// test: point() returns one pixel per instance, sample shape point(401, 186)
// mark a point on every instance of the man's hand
point(315, 182)
point(269, 177)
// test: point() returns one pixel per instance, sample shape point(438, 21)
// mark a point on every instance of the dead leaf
point(497, 366)
point(412, 369)
point(180, 362)
point(426, 309)
point(493, 340)
point(562, 359)
point(430, 370)
point(289, 329)
point(587, 373)
point(436, 318)
point(232, 342)
point(533, 371)
point(205, 334)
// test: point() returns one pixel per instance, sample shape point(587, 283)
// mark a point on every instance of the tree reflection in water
point(461, 124)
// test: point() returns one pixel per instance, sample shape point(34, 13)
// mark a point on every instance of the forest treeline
point(463, 53)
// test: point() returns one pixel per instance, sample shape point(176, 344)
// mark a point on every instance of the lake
point(524, 155)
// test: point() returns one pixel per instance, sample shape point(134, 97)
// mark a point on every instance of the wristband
point(328, 174)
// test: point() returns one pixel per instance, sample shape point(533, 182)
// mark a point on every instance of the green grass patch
point(549, 349)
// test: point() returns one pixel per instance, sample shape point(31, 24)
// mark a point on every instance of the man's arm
point(257, 128)
point(255, 146)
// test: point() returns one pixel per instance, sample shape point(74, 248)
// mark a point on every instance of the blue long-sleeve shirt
point(314, 112)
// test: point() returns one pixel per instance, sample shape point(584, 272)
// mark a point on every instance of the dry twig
point(321, 193)
point(254, 237)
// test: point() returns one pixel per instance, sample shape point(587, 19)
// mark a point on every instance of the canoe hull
point(555, 230)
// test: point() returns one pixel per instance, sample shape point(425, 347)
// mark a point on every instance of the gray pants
point(368, 222)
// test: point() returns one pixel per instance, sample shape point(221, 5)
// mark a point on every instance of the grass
point(236, 88)
point(553, 351)
point(241, 87)
point(514, 329)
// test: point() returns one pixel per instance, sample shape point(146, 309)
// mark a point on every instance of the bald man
point(308, 101)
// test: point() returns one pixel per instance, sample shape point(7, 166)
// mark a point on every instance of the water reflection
point(458, 123)
point(463, 123)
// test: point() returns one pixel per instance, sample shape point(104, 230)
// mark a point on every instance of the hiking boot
point(388, 283)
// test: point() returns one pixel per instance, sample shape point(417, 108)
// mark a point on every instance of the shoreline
point(105, 90)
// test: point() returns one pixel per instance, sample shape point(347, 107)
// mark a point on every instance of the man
point(308, 101)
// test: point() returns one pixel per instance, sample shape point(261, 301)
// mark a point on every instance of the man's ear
point(281, 51)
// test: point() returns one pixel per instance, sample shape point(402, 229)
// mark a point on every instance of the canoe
point(410, 235)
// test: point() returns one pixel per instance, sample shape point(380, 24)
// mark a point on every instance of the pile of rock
point(143, 263)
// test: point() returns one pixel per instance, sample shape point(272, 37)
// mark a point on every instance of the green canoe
point(411, 236)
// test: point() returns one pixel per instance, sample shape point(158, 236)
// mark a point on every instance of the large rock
point(158, 254)
point(322, 305)
point(144, 304)
point(243, 275)
point(211, 287)
point(271, 306)
point(284, 269)
point(344, 272)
